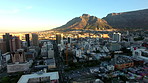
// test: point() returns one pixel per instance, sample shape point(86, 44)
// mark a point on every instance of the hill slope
point(128, 20)
point(85, 22)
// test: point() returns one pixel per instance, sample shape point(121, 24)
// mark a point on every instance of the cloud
point(29, 7)
point(10, 11)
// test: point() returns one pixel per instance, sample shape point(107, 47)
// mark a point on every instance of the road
point(59, 64)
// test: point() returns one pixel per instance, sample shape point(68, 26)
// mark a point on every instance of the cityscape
point(86, 49)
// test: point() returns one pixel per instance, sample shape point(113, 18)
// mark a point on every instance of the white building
point(6, 56)
point(117, 37)
point(52, 77)
point(47, 50)
point(141, 54)
point(110, 67)
point(78, 53)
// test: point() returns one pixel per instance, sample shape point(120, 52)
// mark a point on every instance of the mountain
point(85, 22)
point(128, 20)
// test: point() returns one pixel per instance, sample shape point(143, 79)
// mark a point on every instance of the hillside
point(128, 20)
point(85, 22)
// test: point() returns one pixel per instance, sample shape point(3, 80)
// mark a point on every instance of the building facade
point(18, 56)
point(3, 46)
point(59, 38)
point(16, 43)
point(117, 37)
point(34, 39)
point(8, 39)
point(27, 39)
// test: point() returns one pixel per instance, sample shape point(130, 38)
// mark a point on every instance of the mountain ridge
point(85, 22)
point(125, 20)
point(128, 20)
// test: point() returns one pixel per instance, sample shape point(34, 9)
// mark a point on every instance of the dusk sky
point(39, 15)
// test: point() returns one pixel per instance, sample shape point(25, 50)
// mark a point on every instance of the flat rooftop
point(25, 78)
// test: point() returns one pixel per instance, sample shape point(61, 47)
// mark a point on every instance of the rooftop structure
point(117, 37)
point(40, 77)
point(141, 54)
point(122, 61)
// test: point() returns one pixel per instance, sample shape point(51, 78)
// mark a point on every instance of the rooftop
point(25, 78)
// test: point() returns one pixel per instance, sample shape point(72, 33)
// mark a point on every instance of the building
point(27, 39)
point(16, 43)
point(4, 59)
point(78, 53)
point(51, 77)
point(47, 50)
point(8, 39)
point(24, 44)
point(18, 62)
point(127, 33)
point(141, 54)
point(110, 67)
point(69, 40)
point(18, 56)
point(122, 61)
point(59, 38)
point(0, 59)
point(34, 39)
point(114, 46)
point(31, 54)
point(3, 46)
point(50, 63)
point(18, 67)
point(116, 36)
point(50, 53)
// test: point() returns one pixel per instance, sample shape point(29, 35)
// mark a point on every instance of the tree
point(5, 79)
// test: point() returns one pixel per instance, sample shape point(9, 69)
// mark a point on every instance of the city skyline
point(43, 15)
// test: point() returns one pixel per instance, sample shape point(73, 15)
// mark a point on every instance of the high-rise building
point(8, 39)
point(3, 46)
point(69, 40)
point(16, 43)
point(27, 39)
point(34, 39)
point(116, 36)
point(59, 38)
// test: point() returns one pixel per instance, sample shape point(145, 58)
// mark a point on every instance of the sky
point(40, 15)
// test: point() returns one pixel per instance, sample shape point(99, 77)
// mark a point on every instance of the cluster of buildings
point(120, 55)
point(17, 56)
point(29, 56)
point(123, 54)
